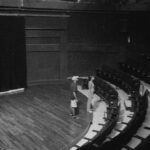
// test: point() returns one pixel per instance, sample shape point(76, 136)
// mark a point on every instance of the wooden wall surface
point(59, 44)
point(10, 3)
point(72, 44)
point(44, 38)
point(67, 38)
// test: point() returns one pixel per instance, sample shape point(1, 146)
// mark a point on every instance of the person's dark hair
point(89, 78)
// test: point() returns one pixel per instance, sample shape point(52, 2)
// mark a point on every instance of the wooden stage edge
point(15, 91)
point(82, 135)
point(45, 82)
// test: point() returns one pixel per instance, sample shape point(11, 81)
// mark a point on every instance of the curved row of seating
point(135, 70)
point(123, 138)
point(139, 69)
point(140, 106)
point(105, 91)
point(109, 94)
point(111, 97)
point(118, 78)
point(141, 138)
point(144, 144)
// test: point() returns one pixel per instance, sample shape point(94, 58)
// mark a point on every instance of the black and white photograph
point(74, 74)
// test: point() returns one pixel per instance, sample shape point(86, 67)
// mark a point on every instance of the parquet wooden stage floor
point(38, 119)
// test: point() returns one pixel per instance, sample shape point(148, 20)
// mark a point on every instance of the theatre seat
point(134, 142)
point(144, 133)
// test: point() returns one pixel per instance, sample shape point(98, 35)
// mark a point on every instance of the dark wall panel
point(58, 47)
point(51, 22)
point(42, 33)
point(94, 28)
point(43, 66)
point(42, 47)
point(45, 4)
point(85, 63)
point(10, 3)
point(139, 31)
point(44, 40)
point(94, 39)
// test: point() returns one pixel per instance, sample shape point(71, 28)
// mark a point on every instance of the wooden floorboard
point(39, 119)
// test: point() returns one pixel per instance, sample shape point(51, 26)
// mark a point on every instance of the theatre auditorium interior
point(52, 52)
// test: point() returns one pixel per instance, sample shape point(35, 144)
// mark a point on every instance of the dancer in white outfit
point(90, 93)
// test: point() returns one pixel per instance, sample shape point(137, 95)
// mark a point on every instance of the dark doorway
point(12, 53)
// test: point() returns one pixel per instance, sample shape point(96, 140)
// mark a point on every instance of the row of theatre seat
point(139, 107)
point(118, 78)
point(136, 69)
point(144, 145)
point(139, 104)
point(140, 68)
point(124, 137)
point(107, 92)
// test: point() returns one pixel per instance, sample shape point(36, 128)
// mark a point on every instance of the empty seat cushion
point(90, 135)
point(97, 127)
point(74, 148)
point(113, 134)
point(144, 133)
point(82, 142)
point(120, 126)
point(134, 142)
point(126, 119)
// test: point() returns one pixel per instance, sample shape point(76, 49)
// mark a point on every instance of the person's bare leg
point(73, 111)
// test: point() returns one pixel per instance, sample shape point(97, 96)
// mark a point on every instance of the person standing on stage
point(90, 93)
point(141, 89)
point(73, 97)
